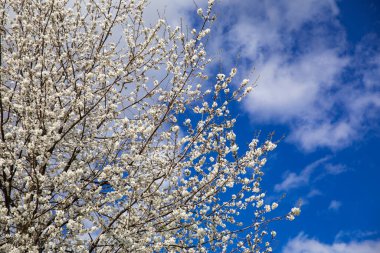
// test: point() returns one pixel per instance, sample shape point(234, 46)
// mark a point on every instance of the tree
point(110, 140)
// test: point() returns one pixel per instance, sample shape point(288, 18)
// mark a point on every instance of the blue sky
point(318, 69)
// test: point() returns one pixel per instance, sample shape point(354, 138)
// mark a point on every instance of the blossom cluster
point(113, 140)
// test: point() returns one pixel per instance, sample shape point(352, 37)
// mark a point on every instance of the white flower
point(234, 148)
point(263, 162)
point(220, 77)
point(296, 211)
point(231, 136)
point(230, 184)
point(200, 12)
point(274, 205)
point(290, 217)
point(245, 82)
point(233, 72)
point(270, 145)
point(248, 89)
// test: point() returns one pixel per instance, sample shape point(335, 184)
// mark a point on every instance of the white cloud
point(303, 244)
point(344, 235)
point(335, 205)
point(314, 193)
point(289, 90)
point(293, 180)
point(335, 169)
point(326, 134)
point(300, 52)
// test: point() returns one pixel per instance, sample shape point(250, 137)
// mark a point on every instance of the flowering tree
point(110, 143)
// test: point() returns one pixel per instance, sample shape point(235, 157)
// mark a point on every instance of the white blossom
point(296, 211)
point(290, 217)
point(234, 148)
point(113, 140)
